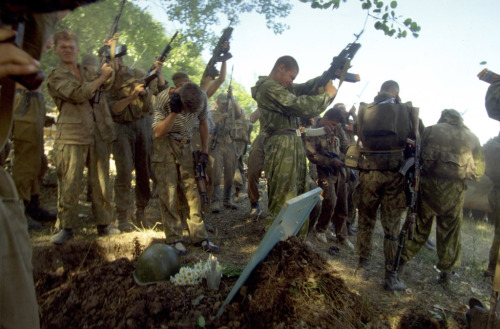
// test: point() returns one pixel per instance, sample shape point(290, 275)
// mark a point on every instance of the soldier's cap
point(222, 98)
point(451, 116)
point(89, 59)
point(180, 76)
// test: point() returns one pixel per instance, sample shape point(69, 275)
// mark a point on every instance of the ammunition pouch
point(381, 160)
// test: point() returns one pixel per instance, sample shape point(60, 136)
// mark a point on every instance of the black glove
point(203, 159)
point(175, 103)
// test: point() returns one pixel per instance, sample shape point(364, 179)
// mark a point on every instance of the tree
point(198, 16)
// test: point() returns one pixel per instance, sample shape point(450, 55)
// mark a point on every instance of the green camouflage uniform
point(285, 160)
point(331, 180)
point(380, 183)
point(255, 167)
point(492, 157)
point(451, 153)
point(83, 133)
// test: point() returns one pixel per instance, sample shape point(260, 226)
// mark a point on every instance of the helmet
point(157, 263)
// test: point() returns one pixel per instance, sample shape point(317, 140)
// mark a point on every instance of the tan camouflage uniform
point(492, 157)
point(451, 153)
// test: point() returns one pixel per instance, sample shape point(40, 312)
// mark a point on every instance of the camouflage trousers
point(240, 179)
point(285, 167)
point(494, 217)
point(443, 199)
point(334, 204)
point(255, 166)
point(132, 152)
point(384, 189)
point(173, 164)
point(27, 134)
point(70, 161)
point(18, 307)
point(224, 165)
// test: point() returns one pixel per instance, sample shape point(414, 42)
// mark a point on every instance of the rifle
point(109, 52)
point(488, 76)
point(413, 179)
point(216, 134)
point(220, 54)
point(340, 64)
point(153, 72)
point(201, 180)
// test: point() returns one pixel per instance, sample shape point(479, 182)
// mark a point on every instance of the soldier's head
point(341, 107)
point(192, 97)
point(66, 46)
point(180, 78)
point(285, 70)
point(222, 101)
point(390, 87)
point(334, 115)
point(452, 117)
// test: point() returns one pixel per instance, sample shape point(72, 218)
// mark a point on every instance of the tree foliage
point(384, 13)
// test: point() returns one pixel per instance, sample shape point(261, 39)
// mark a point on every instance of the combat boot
point(228, 204)
point(62, 236)
point(124, 225)
point(255, 211)
point(362, 269)
point(392, 282)
point(109, 229)
point(37, 213)
point(33, 224)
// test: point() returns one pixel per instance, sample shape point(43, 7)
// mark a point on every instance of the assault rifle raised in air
point(220, 54)
point(153, 72)
point(340, 64)
point(110, 50)
point(488, 76)
point(411, 171)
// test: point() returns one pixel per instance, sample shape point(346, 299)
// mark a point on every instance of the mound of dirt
point(292, 288)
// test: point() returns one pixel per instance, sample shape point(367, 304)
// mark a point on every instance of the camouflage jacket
point(492, 157)
point(450, 150)
point(281, 107)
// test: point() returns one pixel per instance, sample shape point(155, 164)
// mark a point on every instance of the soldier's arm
point(163, 118)
point(478, 155)
point(204, 136)
point(210, 86)
point(255, 116)
point(314, 155)
point(121, 104)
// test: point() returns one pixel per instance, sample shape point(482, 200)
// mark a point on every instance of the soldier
point(27, 134)
point(174, 166)
point(348, 127)
point(255, 166)
point(241, 138)
point(383, 127)
point(325, 152)
point(281, 103)
point(131, 107)
point(492, 157)
point(451, 153)
point(228, 110)
point(78, 140)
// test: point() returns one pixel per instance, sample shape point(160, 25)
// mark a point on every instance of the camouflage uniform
point(285, 160)
point(492, 157)
point(351, 184)
point(240, 135)
point(27, 134)
point(131, 150)
point(79, 138)
point(380, 183)
point(174, 168)
point(224, 158)
point(331, 180)
point(255, 167)
point(451, 153)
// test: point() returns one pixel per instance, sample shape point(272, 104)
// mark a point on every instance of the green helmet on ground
point(157, 263)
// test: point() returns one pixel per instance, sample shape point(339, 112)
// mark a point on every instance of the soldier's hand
point(330, 89)
point(337, 163)
point(158, 65)
point(106, 71)
point(14, 61)
point(203, 159)
point(175, 103)
point(139, 91)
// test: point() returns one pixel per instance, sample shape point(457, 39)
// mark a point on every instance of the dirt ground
point(88, 283)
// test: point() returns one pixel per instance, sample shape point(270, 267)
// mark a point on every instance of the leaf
point(201, 321)
point(407, 21)
point(394, 4)
point(483, 63)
